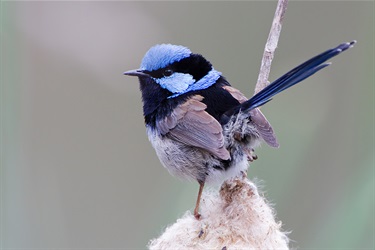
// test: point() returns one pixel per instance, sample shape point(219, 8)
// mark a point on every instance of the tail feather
point(291, 78)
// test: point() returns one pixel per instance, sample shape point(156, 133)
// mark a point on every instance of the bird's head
point(173, 70)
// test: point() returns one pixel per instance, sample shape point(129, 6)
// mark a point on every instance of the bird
point(201, 127)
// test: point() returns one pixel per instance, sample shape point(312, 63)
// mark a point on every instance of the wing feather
point(190, 124)
point(258, 119)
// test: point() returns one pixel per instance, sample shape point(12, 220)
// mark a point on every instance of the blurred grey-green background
point(77, 170)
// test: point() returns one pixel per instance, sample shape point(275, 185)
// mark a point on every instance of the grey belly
point(191, 163)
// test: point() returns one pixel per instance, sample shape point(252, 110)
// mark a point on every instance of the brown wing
point(258, 119)
point(264, 127)
point(190, 124)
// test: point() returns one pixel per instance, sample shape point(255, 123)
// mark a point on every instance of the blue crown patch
point(161, 55)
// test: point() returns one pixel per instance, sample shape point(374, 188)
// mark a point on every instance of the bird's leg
point(196, 210)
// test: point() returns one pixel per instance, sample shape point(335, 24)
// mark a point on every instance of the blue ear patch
point(186, 83)
point(161, 55)
point(177, 83)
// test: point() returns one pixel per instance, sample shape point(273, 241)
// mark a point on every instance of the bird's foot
point(197, 215)
point(251, 156)
point(244, 174)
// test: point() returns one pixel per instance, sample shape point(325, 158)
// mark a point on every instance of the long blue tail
point(291, 78)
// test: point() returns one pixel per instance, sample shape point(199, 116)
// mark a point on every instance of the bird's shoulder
point(217, 99)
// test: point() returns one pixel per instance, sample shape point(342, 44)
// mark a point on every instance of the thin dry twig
point(271, 46)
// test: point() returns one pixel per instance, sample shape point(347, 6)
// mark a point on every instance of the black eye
point(167, 72)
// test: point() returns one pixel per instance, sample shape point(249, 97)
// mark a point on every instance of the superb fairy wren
point(202, 128)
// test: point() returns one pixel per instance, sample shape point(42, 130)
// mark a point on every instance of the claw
point(244, 174)
point(250, 155)
point(197, 215)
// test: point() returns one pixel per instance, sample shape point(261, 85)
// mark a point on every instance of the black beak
point(136, 72)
